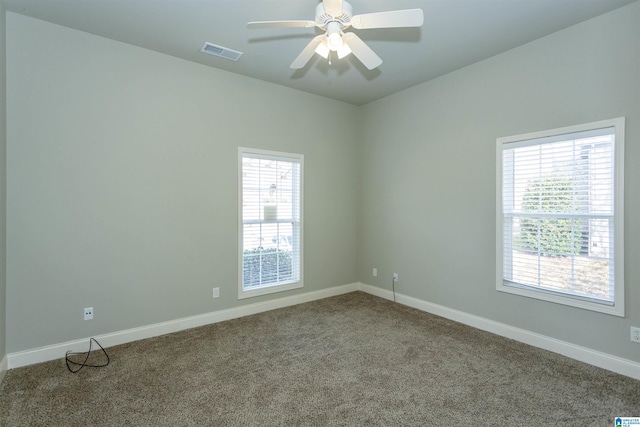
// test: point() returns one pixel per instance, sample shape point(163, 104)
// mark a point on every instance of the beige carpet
point(349, 360)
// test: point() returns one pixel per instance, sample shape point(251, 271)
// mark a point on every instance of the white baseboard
point(583, 354)
point(4, 365)
point(57, 351)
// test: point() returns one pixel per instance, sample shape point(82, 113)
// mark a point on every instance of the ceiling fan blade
point(281, 24)
point(391, 19)
point(307, 53)
point(362, 51)
point(333, 8)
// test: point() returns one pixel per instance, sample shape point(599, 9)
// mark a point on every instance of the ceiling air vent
point(220, 51)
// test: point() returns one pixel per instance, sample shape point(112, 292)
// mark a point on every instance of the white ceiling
point(455, 33)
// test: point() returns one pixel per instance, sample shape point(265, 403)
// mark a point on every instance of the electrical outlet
point(375, 272)
point(635, 334)
point(88, 313)
point(395, 277)
point(216, 292)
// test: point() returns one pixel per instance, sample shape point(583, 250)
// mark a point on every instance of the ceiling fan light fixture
point(334, 41)
point(343, 51)
point(334, 35)
point(323, 49)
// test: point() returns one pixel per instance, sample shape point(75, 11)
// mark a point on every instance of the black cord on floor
point(84, 363)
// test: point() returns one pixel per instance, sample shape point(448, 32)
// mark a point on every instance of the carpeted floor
point(349, 360)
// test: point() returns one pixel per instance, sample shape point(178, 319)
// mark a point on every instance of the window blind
point(558, 214)
point(271, 220)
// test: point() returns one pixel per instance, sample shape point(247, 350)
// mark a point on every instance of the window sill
point(612, 309)
point(268, 289)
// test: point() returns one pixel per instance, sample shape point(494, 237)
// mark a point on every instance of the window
point(560, 216)
point(270, 222)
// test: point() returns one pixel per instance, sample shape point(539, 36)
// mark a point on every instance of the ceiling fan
point(334, 17)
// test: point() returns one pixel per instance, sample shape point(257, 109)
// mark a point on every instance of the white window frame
point(617, 307)
point(297, 245)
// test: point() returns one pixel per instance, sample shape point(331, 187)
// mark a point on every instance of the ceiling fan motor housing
point(323, 18)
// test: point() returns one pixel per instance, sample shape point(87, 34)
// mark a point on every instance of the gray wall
point(121, 179)
point(122, 183)
point(3, 183)
point(428, 173)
